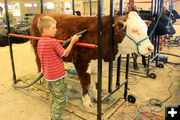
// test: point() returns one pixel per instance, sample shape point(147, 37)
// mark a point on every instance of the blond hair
point(45, 22)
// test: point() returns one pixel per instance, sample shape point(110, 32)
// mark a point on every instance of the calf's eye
point(135, 31)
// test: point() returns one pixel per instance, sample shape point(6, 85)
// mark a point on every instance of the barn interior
point(158, 82)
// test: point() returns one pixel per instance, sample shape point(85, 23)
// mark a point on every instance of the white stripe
point(55, 79)
point(63, 53)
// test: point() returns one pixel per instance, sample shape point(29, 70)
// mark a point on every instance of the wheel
point(160, 65)
point(131, 98)
point(152, 75)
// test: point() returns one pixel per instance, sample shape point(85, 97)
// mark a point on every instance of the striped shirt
point(50, 53)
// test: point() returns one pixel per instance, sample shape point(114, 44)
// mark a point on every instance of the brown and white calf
point(85, 59)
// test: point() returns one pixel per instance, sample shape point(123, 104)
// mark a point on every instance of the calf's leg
point(144, 60)
point(85, 83)
point(94, 85)
point(135, 65)
point(38, 63)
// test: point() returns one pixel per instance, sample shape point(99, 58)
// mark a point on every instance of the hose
point(30, 84)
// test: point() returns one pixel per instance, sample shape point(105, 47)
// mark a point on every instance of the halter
point(136, 43)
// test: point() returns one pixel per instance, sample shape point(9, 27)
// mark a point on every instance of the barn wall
point(80, 5)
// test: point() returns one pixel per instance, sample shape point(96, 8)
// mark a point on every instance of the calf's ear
point(148, 22)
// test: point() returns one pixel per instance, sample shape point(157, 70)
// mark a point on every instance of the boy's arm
point(75, 38)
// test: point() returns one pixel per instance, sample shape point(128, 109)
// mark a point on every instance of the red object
point(162, 42)
point(50, 53)
point(61, 41)
point(151, 1)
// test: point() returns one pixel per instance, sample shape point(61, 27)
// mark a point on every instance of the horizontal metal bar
point(115, 89)
point(135, 73)
point(154, 58)
point(61, 41)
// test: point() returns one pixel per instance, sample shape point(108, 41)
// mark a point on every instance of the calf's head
point(134, 40)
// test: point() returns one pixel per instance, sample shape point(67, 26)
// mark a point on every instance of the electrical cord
point(171, 55)
point(173, 63)
point(138, 113)
point(134, 80)
point(152, 102)
point(169, 75)
point(159, 103)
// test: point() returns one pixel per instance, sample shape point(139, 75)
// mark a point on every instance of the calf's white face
point(136, 28)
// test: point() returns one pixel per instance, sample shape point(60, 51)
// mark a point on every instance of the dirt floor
point(33, 103)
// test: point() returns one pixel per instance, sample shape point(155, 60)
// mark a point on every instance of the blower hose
point(30, 84)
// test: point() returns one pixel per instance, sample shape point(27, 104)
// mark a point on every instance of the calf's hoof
point(87, 102)
point(88, 105)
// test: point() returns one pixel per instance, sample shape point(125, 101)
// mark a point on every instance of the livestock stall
point(107, 103)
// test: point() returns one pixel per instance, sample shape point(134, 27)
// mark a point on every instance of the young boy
point(50, 53)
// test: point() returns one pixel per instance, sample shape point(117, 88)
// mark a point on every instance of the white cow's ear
point(121, 24)
point(148, 22)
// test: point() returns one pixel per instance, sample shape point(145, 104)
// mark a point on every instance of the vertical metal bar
point(155, 9)
point(148, 65)
point(90, 7)
point(152, 7)
point(153, 35)
point(158, 37)
point(73, 8)
point(158, 43)
point(151, 38)
point(126, 77)
point(159, 6)
point(41, 2)
point(111, 45)
point(10, 41)
point(100, 10)
point(155, 44)
point(118, 71)
point(121, 7)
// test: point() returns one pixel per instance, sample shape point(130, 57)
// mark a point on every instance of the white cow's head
point(136, 29)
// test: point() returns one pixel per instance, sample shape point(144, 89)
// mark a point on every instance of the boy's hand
point(75, 38)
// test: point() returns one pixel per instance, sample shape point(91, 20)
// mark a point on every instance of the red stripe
point(53, 73)
point(51, 62)
point(53, 68)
